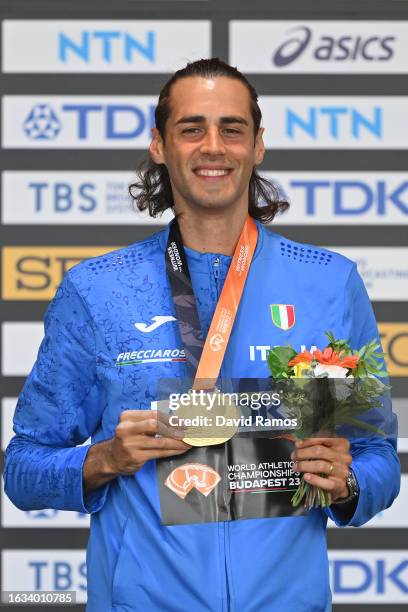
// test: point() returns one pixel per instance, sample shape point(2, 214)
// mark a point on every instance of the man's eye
point(231, 131)
point(191, 131)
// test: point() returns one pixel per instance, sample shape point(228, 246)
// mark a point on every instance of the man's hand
point(330, 456)
point(139, 436)
point(136, 441)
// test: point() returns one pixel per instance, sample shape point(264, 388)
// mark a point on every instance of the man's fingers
point(150, 443)
point(150, 426)
point(319, 452)
point(332, 469)
point(333, 485)
point(336, 442)
point(159, 454)
point(141, 415)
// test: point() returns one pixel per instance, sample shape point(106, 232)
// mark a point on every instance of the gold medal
point(209, 418)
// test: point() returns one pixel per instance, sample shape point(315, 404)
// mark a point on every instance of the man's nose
point(213, 143)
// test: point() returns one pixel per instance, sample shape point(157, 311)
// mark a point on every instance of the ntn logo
point(337, 48)
point(105, 43)
point(334, 121)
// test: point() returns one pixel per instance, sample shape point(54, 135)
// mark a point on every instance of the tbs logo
point(326, 48)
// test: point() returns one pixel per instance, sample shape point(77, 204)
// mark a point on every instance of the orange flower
point(301, 357)
point(328, 357)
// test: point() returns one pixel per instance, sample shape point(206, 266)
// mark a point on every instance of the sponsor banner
point(123, 122)
point(319, 46)
point(383, 269)
point(103, 46)
point(34, 273)
point(356, 576)
point(44, 570)
point(400, 407)
point(99, 197)
point(77, 122)
point(335, 122)
point(80, 198)
point(20, 343)
point(369, 576)
point(8, 405)
point(346, 198)
point(394, 338)
point(13, 517)
point(395, 517)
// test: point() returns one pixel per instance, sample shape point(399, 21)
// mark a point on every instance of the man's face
point(210, 149)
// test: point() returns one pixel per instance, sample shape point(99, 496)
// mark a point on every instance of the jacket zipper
point(223, 527)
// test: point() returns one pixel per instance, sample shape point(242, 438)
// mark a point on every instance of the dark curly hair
point(152, 189)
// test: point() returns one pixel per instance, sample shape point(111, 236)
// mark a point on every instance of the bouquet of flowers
point(320, 404)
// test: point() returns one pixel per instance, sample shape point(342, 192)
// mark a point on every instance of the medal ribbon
point(205, 358)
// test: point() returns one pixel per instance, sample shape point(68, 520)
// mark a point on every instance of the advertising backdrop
point(78, 88)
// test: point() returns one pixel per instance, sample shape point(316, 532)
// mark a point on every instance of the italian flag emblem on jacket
point(283, 315)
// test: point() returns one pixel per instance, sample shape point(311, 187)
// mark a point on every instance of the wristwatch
point(353, 488)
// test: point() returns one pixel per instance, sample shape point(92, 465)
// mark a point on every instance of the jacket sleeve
point(58, 409)
point(375, 460)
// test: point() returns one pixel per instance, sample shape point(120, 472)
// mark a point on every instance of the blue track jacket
point(76, 390)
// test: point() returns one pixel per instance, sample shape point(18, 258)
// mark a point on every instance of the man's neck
point(212, 233)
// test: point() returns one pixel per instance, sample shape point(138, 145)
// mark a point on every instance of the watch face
point(352, 483)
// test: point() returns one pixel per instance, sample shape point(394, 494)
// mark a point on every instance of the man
point(96, 374)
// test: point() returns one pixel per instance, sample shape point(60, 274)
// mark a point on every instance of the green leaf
point(278, 359)
point(366, 426)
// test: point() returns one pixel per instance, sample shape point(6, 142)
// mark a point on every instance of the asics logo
point(159, 320)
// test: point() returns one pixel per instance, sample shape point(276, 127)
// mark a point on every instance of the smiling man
point(121, 322)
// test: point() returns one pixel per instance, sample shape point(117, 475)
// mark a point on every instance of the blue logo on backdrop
point(337, 121)
point(379, 574)
point(41, 514)
point(61, 575)
point(48, 514)
point(42, 123)
point(63, 196)
point(105, 44)
point(352, 198)
point(342, 48)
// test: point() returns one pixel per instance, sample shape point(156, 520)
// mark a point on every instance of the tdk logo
point(116, 121)
point(352, 197)
point(334, 122)
point(42, 123)
point(375, 576)
point(335, 48)
point(106, 46)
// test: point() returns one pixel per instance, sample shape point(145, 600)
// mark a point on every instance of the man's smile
point(212, 173)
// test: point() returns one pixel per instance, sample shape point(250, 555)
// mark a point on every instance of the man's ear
point(259, 147)
point(156, 147)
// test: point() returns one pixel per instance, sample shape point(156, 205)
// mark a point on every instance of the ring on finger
point(331, 468)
